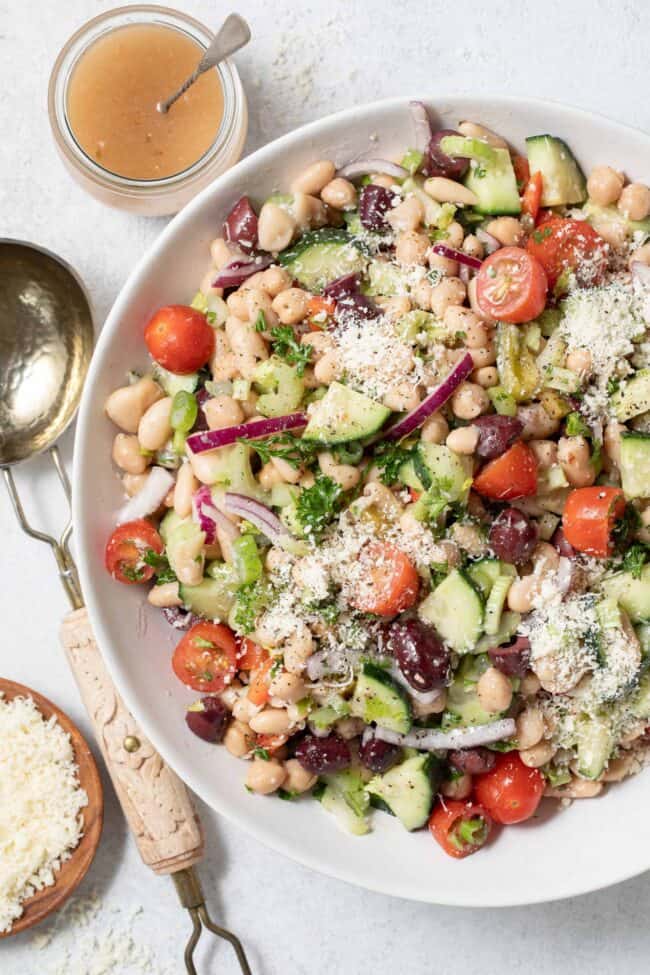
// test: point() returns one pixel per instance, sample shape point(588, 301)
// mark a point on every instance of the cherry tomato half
point(179, 338)
point(319, 310)
point(206, 657)
point(510, 791)
point(391, 583)
point(510, 476)
point(258, 688)
point(511, 286)
point(126, 549)
point(562, 245)
point(589, 516)
point(250, 655)
point(461, 828)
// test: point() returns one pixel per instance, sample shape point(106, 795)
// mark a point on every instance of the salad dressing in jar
point(104, 92)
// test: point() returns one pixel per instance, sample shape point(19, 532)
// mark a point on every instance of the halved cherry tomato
point(126, 549)
point(179, 338)
point(562, 245)
point(392, 581)
point(206, 657)
point(461, 828)
point(522, 170)
point(271, 743)
point(251, 655)
point(258, 688)
point(319, 309)
point(511, 286)
point(512, 475)
point(589, 516)
point(510, 791)
point(532, 195)
point(414, 495)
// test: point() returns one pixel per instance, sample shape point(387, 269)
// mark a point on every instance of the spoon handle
point(155, 802)
point(233, 34)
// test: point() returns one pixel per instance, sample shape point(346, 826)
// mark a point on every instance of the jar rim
point(234, 105)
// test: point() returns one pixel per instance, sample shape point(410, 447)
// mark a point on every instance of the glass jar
point(150, 197)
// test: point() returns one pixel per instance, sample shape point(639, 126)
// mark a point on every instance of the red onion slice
point(235, 273)
point(491, 243)
point(207, 516)
point(430, 740)
point(212, 439)
point(454, 255)
point(240, 226)
point(149, 498)
point(257, 513)
point(433, 401)
point(364, 166)
point(422, 125)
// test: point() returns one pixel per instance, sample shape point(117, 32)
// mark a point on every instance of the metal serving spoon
point(46, 340)
point(233, 34)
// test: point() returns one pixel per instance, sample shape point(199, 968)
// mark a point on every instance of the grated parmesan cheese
point(40, 803)
point(606, 321)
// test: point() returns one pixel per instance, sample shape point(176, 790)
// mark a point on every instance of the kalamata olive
point(374, 203)
point(347, 284)
point(180, 619)
point(438, 163)
point(320, 755)
point(355, 306)
point(474, 761)
point(512, 659)
point(563, 546)
point(240, 226)
point(420, 654)
point(379, 755)
point(495, 434)
point(210, 722)
point(513, 536)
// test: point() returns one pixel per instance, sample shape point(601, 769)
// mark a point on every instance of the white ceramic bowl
point(562, 852)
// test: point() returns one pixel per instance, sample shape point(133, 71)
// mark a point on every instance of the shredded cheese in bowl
point(40, 803)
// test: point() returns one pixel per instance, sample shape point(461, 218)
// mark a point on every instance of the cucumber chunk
point(281, 386)
point(322, 256)
point(350, 786)
point(640, 705)
point(173, 383)
point(495, 603)
point(463, 706)
point(455, 608)
point(214, 597)
point(407, 790)
point(494, 184)
point(635, 464)
point(485, 573)
point(333, 802)
point(633, 397)
point(438, 464)
point(563, 181)
point(594, 745)
point(377, 697)
point(343, 414)
point(386, 279)
point(633, 595)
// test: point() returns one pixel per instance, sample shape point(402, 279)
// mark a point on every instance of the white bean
point(265, 777)
point(128, 455)
point(165, 595)
point(445, 190)
point(186, 485)
point(126, 406)
point(315, 178)
point(155, 428)
point(275, 228)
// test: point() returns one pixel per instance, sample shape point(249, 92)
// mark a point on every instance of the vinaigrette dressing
point(112, 96)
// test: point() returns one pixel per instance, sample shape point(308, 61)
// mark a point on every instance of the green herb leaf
point(295, 450)
point(160, 565)
point(635, 558)
point(317, 505)
point(287, 347)
point(260, 322)
point(261, 753)
point(204, 644)
point(389, 458)
point(250, 600)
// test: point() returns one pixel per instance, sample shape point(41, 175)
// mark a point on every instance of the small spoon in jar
point(233, 34)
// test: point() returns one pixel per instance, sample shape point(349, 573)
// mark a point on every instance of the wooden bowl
point(73, 870)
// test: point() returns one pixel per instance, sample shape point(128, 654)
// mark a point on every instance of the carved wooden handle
point(155, 802)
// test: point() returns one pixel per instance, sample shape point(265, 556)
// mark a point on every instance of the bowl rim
point(391, 887)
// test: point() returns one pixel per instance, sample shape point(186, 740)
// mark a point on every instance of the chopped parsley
point(262, 753)
point(204, 644)
point(539, 236)
point(260, 322)
point(295, 450)
point(634, 559)
point(575, 426)
point(250, 600)
point(317, 505)
point(389, 458)
point(287, 795)
point(160, 565)
point(287, 347)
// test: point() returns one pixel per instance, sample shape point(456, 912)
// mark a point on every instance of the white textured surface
point(307, 59)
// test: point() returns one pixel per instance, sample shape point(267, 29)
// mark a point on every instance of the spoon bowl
point(46, 340)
